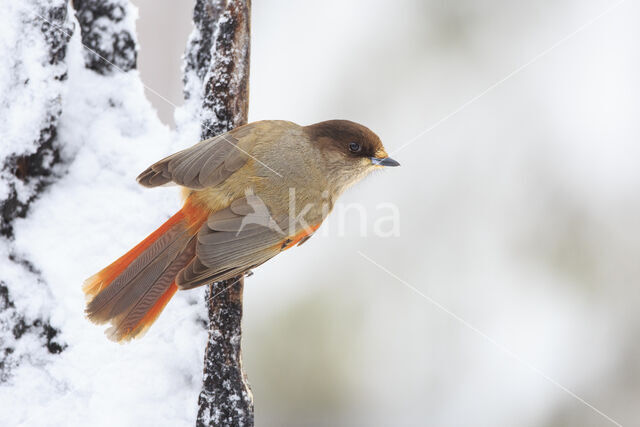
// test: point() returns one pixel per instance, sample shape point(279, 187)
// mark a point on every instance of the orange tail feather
point(99, 281)
point(153, 313)
point(189, 218)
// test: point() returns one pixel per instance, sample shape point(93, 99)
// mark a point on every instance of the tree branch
point(216, 77)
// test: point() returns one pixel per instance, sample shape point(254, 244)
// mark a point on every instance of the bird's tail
point(133, 291)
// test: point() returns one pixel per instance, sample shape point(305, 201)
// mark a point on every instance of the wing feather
point(206, 164)
point(232, 241)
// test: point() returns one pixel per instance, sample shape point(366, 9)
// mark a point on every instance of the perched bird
point(250, 194)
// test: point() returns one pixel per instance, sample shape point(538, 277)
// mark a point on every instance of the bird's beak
point(385, 161)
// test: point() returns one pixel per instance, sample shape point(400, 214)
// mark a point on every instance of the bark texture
point(107, 34)
point(226, 398)
point(216, 81)
point(216, 69)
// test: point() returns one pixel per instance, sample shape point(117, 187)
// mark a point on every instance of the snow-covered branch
point(35, 39)
point(28, 153)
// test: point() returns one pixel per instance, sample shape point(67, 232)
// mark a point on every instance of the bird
point(249, 194)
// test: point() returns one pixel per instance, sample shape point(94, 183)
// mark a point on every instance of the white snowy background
point(519, 214)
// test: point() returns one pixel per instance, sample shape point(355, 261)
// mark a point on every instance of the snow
point(93, 214)
point(23, 51)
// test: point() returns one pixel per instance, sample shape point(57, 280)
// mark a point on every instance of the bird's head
point(351, 151)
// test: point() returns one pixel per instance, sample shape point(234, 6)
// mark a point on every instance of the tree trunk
point(216, 81)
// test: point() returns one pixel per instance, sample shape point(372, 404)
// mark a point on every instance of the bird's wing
point(206, 164)
point(234, 240)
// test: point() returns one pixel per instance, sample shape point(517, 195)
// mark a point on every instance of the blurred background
point(519, 213)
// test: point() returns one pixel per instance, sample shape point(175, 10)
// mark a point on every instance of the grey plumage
point(206, 164)
point(227, 244)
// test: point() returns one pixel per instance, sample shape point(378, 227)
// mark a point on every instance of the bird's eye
point(354, 147)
